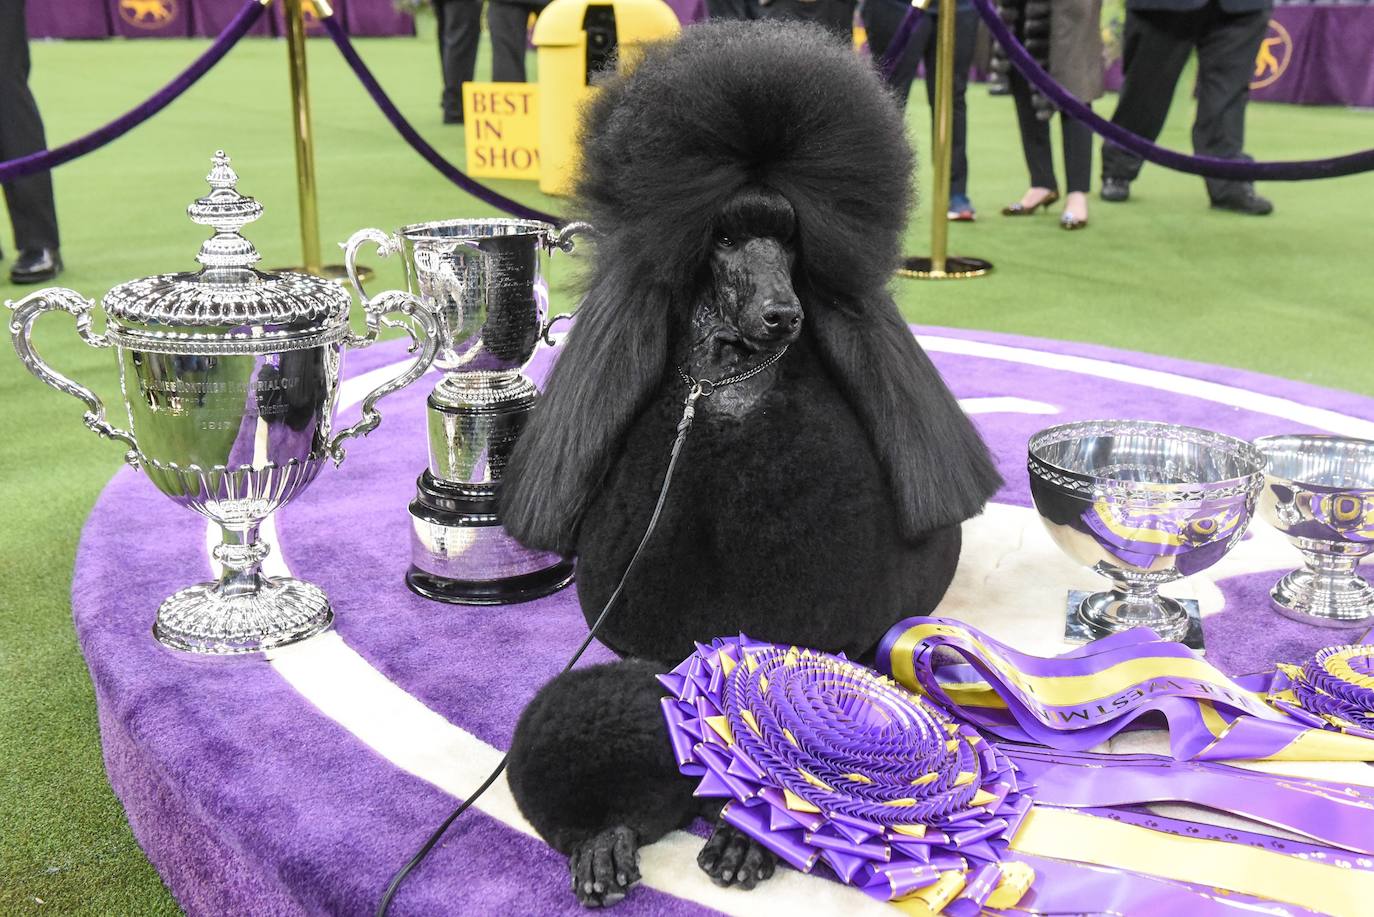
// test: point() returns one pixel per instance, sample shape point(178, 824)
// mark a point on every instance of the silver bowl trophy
point(1319, 492)
point(1143, 504)
point(485, 280)
point(230, 377)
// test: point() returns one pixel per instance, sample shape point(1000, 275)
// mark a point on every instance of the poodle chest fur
point(779, 524)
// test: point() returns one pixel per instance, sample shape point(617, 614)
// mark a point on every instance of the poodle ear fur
point(610, 364)
point(937, 466)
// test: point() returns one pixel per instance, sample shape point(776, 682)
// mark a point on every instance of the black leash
point(700, 388)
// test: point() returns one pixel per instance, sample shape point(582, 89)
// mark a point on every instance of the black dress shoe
point(36, 265)
point(1245, 201)
point(1115, 190)
point(453, 117)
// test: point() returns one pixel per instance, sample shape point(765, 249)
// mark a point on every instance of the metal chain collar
point(707, 387)
point(702, 388)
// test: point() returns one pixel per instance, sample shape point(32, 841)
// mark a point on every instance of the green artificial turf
point(1285, 295)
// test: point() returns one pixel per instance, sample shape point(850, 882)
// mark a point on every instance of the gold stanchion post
point(305, 144)
point(940, 265)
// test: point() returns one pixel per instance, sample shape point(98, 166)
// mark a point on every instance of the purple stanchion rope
point(417, 143)
point(900, 40)
point(1206, 166)
point(44, 160)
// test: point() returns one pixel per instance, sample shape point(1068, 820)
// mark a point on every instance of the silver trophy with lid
point(230, 376)
point(485, 281)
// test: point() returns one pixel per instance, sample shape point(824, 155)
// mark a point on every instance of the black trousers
point(29, 199)
point(507, 24)
point(1155, 46)
point(882, 19)
point(460, 25)
point(732, 9)
point(1035, 141)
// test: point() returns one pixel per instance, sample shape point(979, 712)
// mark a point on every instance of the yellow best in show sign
point(501, 126)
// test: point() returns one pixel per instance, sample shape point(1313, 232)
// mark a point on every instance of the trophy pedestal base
point(201, 619)
point(1324, 599)
point(459, 553)
point(509, 591)
point(1077, 629)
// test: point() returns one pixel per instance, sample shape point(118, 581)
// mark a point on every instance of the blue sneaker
point(961, 209)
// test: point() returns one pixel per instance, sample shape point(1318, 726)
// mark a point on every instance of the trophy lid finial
point(227, 297)
point(227, 212)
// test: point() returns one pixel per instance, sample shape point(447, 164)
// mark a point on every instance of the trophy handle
point(387, 245)
point(26, 311)
point(563, 241)
point(378, 311)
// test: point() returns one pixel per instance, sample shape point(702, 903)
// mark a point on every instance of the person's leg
point(33, 214)
point(1078, 165)
point(1226, 62)
point(1155, 46)
point(882, 20)
point(460, 25)
point(965, 34)
point(1035, 142)
point(1078, 154)
point(507, 24)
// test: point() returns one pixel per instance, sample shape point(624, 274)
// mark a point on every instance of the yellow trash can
point(574, 39)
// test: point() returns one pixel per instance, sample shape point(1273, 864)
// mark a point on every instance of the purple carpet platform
point(299, 783)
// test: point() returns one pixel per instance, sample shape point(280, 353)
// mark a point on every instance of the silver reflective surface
point(485, 279)
point(1319, 491)
point(231, 411)
point(1143, 504)
point(474, 422)
point(479, 552)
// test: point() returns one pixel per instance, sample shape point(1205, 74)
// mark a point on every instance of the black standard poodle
point(750, 184)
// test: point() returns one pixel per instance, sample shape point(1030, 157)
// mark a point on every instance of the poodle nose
point(782, 318)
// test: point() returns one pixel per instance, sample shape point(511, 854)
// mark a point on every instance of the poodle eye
point(724, 241)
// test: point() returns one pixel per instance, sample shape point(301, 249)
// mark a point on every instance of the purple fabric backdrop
point(150, 18)
point(1313, 55)
point(209, 17)
point(377, 17)
point(180, 18)
point(247, 798)
point(313, 28)
point(68, 19)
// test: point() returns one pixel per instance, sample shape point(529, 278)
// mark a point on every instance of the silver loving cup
point(230, 377)
point(1319, 492)
point(1143, 504)
point(485, 280)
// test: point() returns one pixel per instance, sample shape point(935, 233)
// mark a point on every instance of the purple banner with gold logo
point(1312, 55)
point(150, 18)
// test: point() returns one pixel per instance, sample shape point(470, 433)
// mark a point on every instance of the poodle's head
point(767, 130)
point(749, 303)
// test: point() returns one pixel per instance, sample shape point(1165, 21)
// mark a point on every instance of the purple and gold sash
point(1079, 700)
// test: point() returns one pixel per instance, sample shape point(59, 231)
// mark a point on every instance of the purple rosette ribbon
point(1332, 690)
point(834, 767)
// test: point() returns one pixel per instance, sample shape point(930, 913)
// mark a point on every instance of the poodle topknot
point(728, 105)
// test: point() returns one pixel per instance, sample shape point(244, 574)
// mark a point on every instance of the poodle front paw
point(604, 867)
point(733, 858)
